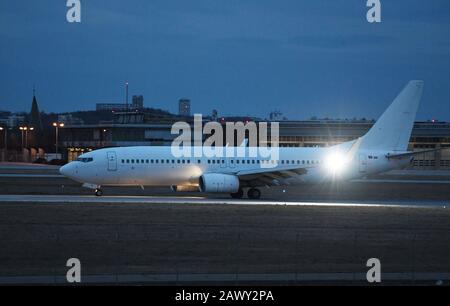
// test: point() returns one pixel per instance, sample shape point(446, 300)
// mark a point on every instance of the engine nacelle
point(216, 182)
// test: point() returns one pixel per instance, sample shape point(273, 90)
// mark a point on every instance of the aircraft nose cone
point(65, 170)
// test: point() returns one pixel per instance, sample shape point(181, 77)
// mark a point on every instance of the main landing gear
point(252, 193)
point(98, 192)
point(238, 195)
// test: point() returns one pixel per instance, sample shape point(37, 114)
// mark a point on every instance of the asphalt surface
point(304, 235)
point(190, 242)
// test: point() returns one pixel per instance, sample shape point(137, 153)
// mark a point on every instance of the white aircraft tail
point(392, 130)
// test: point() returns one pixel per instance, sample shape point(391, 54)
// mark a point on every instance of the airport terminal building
point(77, 139)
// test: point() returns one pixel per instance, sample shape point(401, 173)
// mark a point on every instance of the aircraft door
point(112, 161)
point(362, 163)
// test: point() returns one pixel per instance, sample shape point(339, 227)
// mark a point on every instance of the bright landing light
point(336, 162)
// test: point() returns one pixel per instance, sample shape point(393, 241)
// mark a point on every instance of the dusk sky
point(241, 57)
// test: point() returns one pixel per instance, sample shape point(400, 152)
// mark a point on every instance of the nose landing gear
point(97, 188)
point(98, 192)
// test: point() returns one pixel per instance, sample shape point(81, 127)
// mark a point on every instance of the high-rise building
point(184, 107)
point(214, 115)
point(138, 102)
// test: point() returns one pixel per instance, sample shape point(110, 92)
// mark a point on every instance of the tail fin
point(393, 129)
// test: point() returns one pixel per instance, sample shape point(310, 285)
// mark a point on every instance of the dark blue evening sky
point(304, 58)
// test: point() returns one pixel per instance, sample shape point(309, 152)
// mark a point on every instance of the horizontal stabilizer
point(400, 155)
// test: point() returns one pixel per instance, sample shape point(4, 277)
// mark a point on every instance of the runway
point(199, 200)
point(405, 187)
point(297, 234)
point(179, 240)
point(24, 175)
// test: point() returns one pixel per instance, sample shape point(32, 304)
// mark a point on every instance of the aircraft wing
point(406, 154)
point(270, 176)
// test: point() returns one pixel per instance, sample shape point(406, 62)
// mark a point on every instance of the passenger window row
point(155, 161)
point(218, 161)
point(303, 162)
point(283, 162)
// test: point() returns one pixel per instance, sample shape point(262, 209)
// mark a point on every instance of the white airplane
point(383, 148)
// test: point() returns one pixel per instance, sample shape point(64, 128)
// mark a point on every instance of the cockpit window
point(85, 159)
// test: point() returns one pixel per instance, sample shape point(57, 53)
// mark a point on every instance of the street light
point(6, 137)
point(25, 129)
point(26, 135)
point(22, 129)
point(57, 125)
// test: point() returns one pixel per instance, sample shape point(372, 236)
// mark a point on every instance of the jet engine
point(217, 182)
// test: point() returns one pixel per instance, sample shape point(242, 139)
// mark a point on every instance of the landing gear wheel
point(238, 195)
point(98, 192)
point(254, 193)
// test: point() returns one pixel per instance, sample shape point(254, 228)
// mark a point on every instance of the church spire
point(35, 115)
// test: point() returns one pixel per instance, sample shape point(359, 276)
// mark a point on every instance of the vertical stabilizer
point(392, 130)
